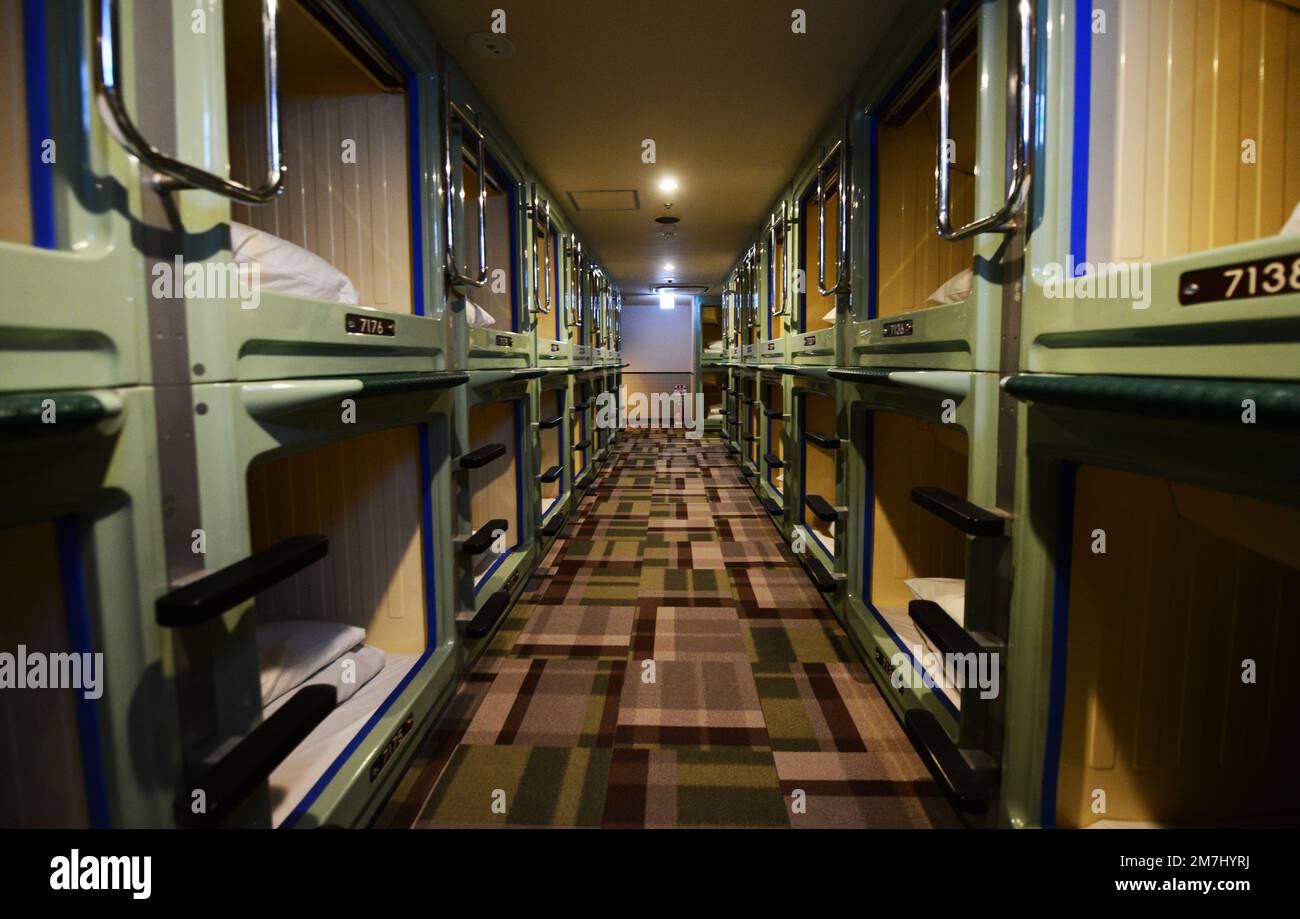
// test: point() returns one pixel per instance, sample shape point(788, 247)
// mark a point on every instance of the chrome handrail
point(183, 175)
point(841, 254)
point(542, 212)
point(779, 306)
point(452, 110)
point(1002, 220)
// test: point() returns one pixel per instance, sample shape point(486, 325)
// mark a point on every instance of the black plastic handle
point(750, 439)
point(969, 518)
point(582, 406)
point(774, 461)
point(822, 509)
point(774, 414)
point(547, 423)
point(477, 459)
point(827, 441)
point(945, 762)
point(947, 635)
point(491, 610)
point(551, 475)
point(821, 578)
point(770, 505)
point(207, 598)
point(227, 783)
point(482, 540)
point(582, 445)
point(554, 525)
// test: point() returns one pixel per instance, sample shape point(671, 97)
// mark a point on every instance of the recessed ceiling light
point(668, 185)
point(669, 266)
point(667, 299)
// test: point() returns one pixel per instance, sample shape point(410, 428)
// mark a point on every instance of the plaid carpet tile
point(669, 665)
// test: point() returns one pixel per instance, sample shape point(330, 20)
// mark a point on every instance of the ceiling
point(730, 94)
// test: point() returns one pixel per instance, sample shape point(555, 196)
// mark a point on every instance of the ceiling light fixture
point(668, 185)
point(667, 298)
point(669, 266)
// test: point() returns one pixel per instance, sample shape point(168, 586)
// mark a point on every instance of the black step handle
point(822, 509)
point(482, 540)
point(228, 782)
point(477, 459)
point(203, 600)
point(582, 445)
point(945, 762)
point(822, 579)
point(827, 441)
point(547, 423)
point(750, 439)
point(554, 525)
point(947, 635)
point(772, 507)
point(582, 406)
point(488, 614)
point(774, 414)
point(551, 475)
point(969, 518)
point(774, 461)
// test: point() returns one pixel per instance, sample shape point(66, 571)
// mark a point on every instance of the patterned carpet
point(670, 666)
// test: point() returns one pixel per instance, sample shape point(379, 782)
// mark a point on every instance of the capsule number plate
point(356, 324)
point(1265, 277)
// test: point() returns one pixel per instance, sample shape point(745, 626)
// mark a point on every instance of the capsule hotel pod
point(867, 415)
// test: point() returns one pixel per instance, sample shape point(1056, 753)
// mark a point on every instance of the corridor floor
point(671, 665)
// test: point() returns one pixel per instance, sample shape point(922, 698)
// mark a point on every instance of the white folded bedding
point(352, 670)
point(954, 290)
point(478, 317)
point(288, 268)
point(293, 650)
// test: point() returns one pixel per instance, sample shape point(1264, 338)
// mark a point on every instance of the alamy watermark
point(25, 669)
point(210, 280)
point(676, 409)
point(1098, 281)
point(947, 671)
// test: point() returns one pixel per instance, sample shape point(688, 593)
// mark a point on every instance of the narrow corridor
point(671, 665)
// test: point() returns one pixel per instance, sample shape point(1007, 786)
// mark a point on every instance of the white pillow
point(949, 593)
point(1292, 224)
point(361, 665)
point(714, 345)
point(287, 268)
point(291, 651)
point(829, 317)
point(475, 315)
point(954, 290)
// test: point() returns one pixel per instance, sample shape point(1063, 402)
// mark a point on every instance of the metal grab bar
point(452, 110)
point(779, 304)
point(841, 149)
point(545, 215)
point(1004, 219)
point(182, 175)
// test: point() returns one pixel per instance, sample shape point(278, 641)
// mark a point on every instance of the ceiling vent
point(606, 199)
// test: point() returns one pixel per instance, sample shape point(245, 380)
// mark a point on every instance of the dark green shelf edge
point(1277, 404)
point(21, 413)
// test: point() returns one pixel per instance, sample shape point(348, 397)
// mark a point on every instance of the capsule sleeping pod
point(864, 415)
